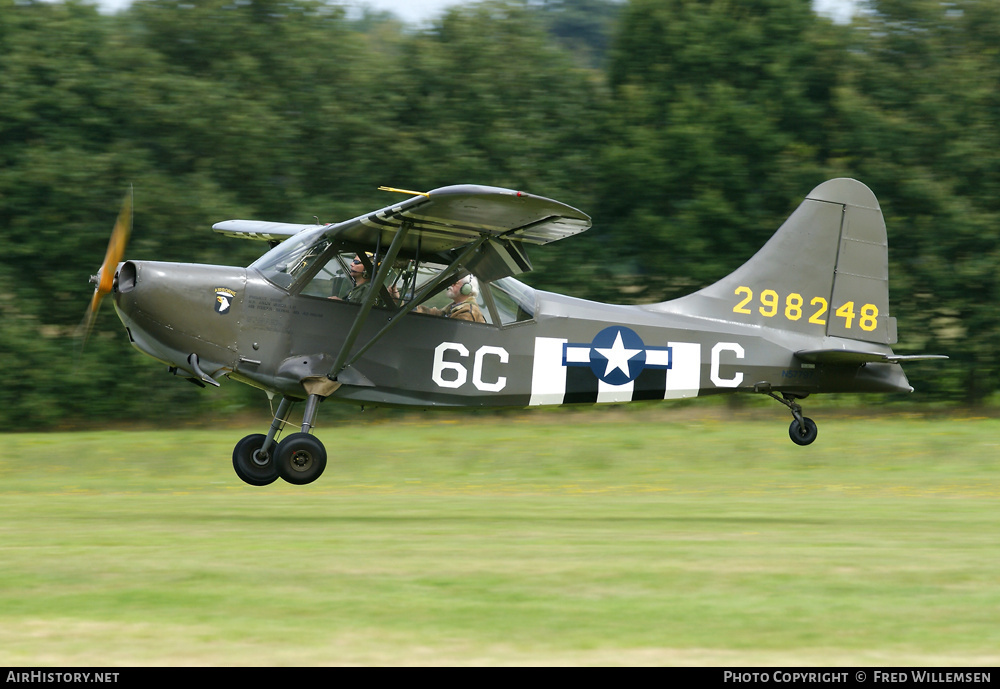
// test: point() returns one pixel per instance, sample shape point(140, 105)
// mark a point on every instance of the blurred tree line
point(688, 129)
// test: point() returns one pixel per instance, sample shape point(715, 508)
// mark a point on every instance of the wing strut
point(342, 361)
point(373, 293)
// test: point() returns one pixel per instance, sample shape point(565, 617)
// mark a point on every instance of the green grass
point(607, 537)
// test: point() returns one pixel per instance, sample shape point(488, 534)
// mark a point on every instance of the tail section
point(824, 272)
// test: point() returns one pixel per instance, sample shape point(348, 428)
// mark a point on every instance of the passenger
point(463, 304)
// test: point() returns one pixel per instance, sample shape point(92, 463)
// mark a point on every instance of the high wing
point(450, 217)
point(260, 229)
point(499, 220)
point(446, 219)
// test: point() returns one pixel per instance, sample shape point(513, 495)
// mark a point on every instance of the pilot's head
point(357, 268)
point(462, 288)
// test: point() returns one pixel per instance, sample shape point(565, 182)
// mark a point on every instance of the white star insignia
point(618, 356)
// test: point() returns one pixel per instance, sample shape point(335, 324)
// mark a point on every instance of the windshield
point(282, 264)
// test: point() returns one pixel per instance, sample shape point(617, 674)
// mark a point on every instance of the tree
point(920, 104)
point(719, 110)
point(584, 27)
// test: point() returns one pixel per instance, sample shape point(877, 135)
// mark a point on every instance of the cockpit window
point(307, 263)
point(332, 280)
point(457, 297)
point(414, 276)
point(514, 300)
point(347, 276)
point(290, 259)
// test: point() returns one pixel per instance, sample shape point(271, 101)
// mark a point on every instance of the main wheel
point(250, 465)
point(803, 434)
point(301, 458)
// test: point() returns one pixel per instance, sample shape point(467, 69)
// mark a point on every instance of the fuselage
point(557, 350)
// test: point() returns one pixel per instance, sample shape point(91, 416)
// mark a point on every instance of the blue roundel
point(617, 355)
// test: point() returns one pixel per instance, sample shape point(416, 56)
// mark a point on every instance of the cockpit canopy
point(312, 264)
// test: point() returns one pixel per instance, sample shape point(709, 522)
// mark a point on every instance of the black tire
point(249, 465)
point(301, 458)
point(800, 435)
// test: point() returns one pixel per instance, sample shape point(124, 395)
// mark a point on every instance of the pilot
point(360, 277)
point(362, 283)
point(463, 304)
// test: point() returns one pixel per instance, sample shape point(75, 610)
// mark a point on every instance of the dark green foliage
point(919, 106)
point(719, 129)
point(688, 130)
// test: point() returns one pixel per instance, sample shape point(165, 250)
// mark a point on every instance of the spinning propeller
point(105, 278)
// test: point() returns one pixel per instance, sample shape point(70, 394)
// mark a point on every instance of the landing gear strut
point(803, 430)
point(299, 459)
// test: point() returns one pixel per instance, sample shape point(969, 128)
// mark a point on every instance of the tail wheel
point(803, 433)
point(252, 465)
point(301, 458)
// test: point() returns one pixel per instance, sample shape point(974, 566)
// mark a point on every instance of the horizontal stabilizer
point(847, 357)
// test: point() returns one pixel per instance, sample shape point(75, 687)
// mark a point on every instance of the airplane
point(808, 313)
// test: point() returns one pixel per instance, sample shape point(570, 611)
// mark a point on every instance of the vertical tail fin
point(824, 272)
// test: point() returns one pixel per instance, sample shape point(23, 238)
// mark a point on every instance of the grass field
point(601, 538)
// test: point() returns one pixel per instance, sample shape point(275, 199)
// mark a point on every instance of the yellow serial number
point(793, 307)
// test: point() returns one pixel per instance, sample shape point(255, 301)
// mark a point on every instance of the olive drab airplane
point(364, 311)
